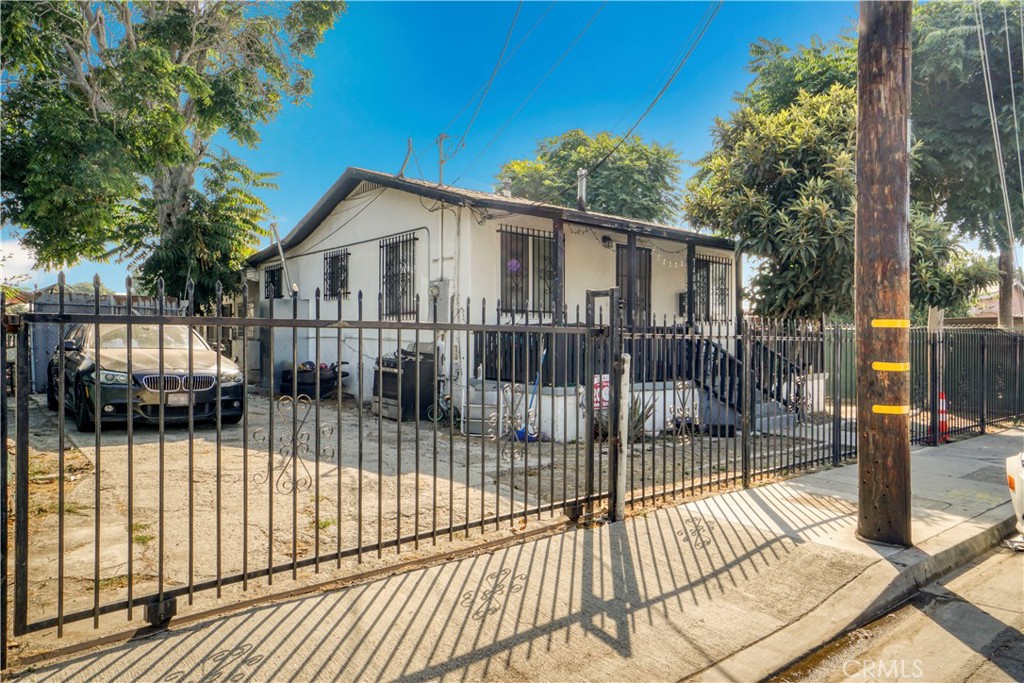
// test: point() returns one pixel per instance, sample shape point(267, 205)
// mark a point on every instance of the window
point(273, 283)
point(641, 280)
point(398, 275)
point(527, 269)
point(711, 278)
point(336, 274)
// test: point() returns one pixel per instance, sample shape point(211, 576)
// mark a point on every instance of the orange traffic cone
point(943, 420)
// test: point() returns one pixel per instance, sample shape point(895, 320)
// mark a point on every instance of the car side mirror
point(70, 345)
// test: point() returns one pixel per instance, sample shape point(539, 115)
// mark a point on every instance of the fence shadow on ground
point(599, 594)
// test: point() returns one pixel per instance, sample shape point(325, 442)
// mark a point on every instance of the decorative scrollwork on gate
point(679, 422)
point(293, 445)
point(509, 422)
point(798, 399)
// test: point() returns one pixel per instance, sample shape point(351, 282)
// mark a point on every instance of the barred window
point(398, 275)
point(711, 278)
point(336, 274)
point(273, 283)
point(527, 270)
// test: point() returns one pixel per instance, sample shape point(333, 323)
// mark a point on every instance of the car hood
point(204, 361)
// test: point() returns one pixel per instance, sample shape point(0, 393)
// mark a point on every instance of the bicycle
point(443, 410)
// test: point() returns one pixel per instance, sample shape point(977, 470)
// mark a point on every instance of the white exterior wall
point(458, 248)
point(359, 224)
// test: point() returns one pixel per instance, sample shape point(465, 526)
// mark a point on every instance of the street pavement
point(964, 628)
point(733, 587)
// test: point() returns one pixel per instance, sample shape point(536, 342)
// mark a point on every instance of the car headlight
point(230, 377)
point(110, 377)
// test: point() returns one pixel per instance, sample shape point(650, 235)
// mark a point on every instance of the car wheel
point(51, 392)
point(83, 422)
point(231, 419)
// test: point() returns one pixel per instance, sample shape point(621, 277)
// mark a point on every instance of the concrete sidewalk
point(731, 587)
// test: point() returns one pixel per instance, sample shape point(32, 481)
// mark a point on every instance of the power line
point(349, 220)
point(699, 31)
point(532, 92)
point(993, 119)
point(1013, 96)
point(664, 73)
point(511, 54)
point(490, 81)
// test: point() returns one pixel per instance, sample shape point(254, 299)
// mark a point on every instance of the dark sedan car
point(180, 385)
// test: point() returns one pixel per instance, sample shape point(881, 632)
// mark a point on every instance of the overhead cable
point(532, 92)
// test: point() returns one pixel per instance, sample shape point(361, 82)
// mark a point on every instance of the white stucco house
point(381, 233)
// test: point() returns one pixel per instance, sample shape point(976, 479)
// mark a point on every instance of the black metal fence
point(152, 474)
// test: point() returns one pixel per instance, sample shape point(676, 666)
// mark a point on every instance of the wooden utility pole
point(882, 279)
point(441, 158)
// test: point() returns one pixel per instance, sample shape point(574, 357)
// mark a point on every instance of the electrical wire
point(310, 247)
point(490, 81)
point(533, 92)
point(993, 119)
point(1013, 97)
point(694, 40)
point(511, 54)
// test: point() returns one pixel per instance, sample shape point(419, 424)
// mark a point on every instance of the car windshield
point(148, 337)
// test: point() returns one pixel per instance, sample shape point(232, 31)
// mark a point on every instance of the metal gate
point(154, 476)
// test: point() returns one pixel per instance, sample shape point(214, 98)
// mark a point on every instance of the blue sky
point(391, 71)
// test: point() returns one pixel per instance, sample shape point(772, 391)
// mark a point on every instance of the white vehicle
point(1015, 480)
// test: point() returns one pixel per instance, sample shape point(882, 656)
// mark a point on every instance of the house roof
point(485, 201)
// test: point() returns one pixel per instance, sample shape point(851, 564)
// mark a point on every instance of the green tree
point(111, 109)
point(638, 180)
point(781, 177)
point(957, 171)
point(216, 235)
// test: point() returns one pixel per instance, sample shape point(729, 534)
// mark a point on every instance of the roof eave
point(625, 226)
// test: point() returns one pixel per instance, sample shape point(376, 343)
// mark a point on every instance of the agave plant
point(639, 413)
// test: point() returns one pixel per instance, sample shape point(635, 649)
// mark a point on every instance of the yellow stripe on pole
point(883, 366)
point(890, 322)
point(890, 410)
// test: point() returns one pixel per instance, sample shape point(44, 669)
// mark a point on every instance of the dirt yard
point(246, 503)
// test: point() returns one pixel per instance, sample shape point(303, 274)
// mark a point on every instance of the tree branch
point(129, 30)
point(77, 76)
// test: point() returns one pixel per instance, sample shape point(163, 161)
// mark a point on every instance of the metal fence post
point(933, 388)
point(984, 385)
point(746, 378)
point(1019, 377)
point(21, 484)
point(837, 396)
point(590, 367)
point(5, 471)
point(618, 404)
point(620, 442)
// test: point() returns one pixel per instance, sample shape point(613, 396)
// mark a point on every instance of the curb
point(851, 606)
